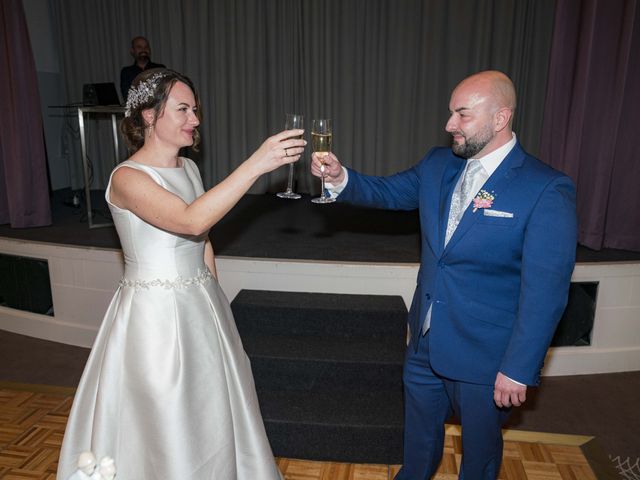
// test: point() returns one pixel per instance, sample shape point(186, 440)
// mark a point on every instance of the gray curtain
point(591, 125)
point(24, 190)
point(383, 70)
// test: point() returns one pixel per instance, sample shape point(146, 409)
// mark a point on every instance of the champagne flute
point(321, 136)
point(292, 121)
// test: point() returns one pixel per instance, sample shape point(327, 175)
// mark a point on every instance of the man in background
point(141, 53)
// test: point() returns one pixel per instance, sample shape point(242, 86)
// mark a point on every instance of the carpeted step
point(328, 372)
point(310, 375)
point(303, 363)
point(334, 426)
point(360, 349)
point(296, 313)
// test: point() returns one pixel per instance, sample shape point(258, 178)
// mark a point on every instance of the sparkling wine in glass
point(292, 121)
point(321, 136)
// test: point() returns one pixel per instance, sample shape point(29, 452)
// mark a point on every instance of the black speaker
point(25, 284)
point(576, 323)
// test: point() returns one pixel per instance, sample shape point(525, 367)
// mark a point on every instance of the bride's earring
point(147, 117)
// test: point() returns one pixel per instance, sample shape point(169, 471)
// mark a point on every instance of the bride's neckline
point(180, 166)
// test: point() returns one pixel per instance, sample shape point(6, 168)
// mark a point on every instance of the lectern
point(114, 111)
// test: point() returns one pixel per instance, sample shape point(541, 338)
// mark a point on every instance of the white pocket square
point(497, 213)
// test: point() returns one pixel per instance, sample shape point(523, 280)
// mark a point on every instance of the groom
point(498, 249)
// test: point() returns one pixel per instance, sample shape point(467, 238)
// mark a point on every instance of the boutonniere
point(483, 199)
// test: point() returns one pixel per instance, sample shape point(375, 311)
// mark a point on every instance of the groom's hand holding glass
point(329, 166)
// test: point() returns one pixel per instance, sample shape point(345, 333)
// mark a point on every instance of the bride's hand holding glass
point(280, 149)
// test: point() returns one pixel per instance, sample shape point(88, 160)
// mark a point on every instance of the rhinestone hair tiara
point(142, 93)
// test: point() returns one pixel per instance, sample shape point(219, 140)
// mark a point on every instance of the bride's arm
point(137, 192)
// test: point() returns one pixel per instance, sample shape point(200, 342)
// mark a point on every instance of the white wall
point(83, 281)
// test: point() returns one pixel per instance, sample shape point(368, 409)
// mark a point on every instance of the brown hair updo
point(150, 90)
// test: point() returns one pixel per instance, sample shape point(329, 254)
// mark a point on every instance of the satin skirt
point(168, 391)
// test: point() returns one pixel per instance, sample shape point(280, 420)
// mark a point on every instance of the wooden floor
point(527, 456)
point(33, 418)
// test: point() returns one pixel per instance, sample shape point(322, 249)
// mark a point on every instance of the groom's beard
point(472, 145)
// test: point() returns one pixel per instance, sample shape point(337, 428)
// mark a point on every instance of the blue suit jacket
point(500, 286)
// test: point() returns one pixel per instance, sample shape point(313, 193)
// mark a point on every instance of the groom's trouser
point(429, 400)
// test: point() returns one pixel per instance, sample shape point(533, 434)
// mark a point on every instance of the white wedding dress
point(168, 390)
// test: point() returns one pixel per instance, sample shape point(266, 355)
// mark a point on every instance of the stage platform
point(268, 243)
point(265, 226)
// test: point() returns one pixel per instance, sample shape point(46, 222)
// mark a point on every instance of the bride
point(168, 390)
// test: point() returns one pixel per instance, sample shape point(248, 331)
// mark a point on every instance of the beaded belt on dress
point(202, 277)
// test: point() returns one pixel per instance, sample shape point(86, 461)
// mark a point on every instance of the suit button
point(428, 296)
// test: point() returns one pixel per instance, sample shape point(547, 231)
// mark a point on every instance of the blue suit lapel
point(495, 184)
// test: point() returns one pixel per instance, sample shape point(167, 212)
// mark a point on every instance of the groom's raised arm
point(395, 192)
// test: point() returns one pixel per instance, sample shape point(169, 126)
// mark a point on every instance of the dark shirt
point(127, 74)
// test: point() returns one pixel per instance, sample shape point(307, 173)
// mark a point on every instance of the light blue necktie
point(462, 196)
